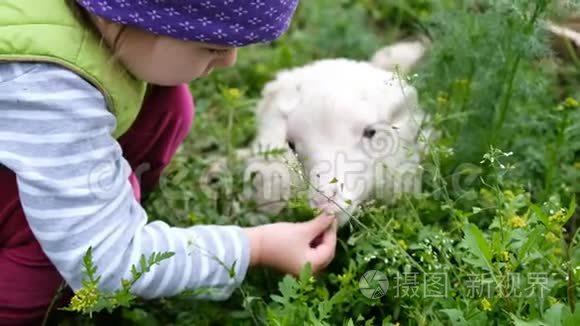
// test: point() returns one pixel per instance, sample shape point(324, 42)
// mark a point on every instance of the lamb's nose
point(321, 197)
point(331, 193)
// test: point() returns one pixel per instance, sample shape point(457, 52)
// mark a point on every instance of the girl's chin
point(173, 80)
point(206, 73)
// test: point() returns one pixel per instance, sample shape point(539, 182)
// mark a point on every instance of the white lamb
point(350, 132)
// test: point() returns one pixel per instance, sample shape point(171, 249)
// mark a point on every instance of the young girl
point(94, 102)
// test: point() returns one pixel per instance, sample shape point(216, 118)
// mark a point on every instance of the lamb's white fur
point(324, 108)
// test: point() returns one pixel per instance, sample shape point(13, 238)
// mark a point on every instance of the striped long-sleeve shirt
point(56, 136)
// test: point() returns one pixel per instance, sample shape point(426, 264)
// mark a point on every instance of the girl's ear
point(279, 98)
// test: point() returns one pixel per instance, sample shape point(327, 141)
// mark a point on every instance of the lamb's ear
point(271, 178)
point(279, 98)
point(401, 56)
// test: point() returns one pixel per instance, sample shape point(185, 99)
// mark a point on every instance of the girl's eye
point(218, 52)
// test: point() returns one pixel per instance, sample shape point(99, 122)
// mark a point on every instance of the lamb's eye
point(291, 145)
point(369, 132)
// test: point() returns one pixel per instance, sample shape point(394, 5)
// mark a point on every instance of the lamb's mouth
point(334, 206)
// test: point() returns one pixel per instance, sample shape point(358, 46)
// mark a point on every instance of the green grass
point(496, 215)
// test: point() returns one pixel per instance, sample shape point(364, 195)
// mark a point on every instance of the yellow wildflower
point(403, 244)
point(488, 198)
point(442, 98)
point(509, 195)
point(505, 256)
point(485, 304)
point(396, 225)
point(551, 237)
point(518, 222)
point(571, 102)
point(233, 94)
point(85, 299)
point(558, 217)
point(344, 278)
point(463, 83)
point(261, 69)
point(568, 103)
point(193, 219)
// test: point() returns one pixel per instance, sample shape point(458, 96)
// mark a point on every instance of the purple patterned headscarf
point(221, 22)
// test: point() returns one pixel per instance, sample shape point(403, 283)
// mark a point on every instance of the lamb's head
point(352, 127)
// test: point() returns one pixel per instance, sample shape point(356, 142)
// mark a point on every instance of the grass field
point(492, 238)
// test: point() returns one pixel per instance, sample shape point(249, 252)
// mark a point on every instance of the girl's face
point(163, 60)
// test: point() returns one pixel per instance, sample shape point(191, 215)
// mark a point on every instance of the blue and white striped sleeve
point(55, 135)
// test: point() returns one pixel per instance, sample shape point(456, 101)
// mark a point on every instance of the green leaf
point(140, 316)
point(289, 287)
point(533, 241)
point(164, 255)
point(455, 316)
point(279, 299)
point(123, 299)
point(571, 208)
point(569, 318)
point(134, 273)
point(306, 273)
point(324, 309)
point(143, 264)
point(232, 270)
point(553, 316)
point(520, 322)
point(90, 268)
point(126, 284)
point(477, 244)
point(312, 318)
point(334, 180)
point(497, 241)
point(541, 215)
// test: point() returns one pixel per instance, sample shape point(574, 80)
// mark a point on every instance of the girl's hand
point(289, 246)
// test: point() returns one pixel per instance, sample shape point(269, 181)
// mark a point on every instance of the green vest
point(53, 31)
